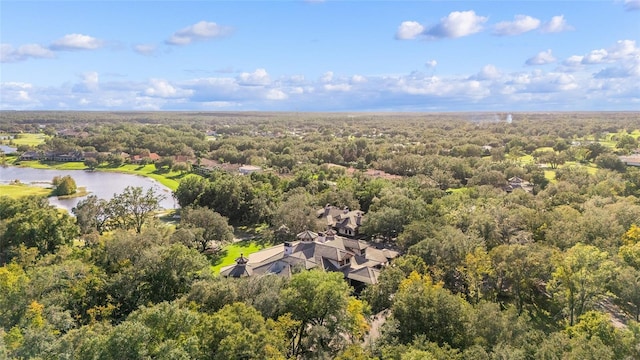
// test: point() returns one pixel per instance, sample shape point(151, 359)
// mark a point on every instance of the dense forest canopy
point(519, 236)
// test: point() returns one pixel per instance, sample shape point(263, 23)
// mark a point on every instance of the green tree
point(189, 189)
point(215, 228)
point(519, 270)
point(13, 287)
point(424, 308)
point(627, 290)
point(64, 185)
point(297, 214)
point(318, 301)
point(92, 215)
point(133, 208)
point(580, 278)
point(611, 162)
point(44, 228)
point(238, 331)
point(91, 163)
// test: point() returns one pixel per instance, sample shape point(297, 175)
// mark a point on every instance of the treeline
point(550, 272)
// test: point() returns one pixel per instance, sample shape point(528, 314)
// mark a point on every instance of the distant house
point(65, 157)
point(631, 160)
point(32, 155)
point(518, 183)
point(204, 166)
point(248, 169)
point(53, 156)
point(139, 159)
point(344, 221)
point(358, 260)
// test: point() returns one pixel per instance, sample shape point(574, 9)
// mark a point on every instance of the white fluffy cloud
point(29, 51)
point(409, 30)
point(327, 77)
point(457, 24)
point(431, 63)
point(623, 49)
point(542, 58)
point(163, 89)
point(76, 42)
point(520, 24)
point(555, 25)
point(591, 81)
point(488, 72)
point(202, 30)
point(573, 60)
point(260, 77)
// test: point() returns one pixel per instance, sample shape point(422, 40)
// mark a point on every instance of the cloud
point(90, 83)
point(145, 49)
point(29, 51)
point(17, 96)
point(431, 63)
point(488, 72)
point(162, 89)
point(409, 30)
point(275, 94)
point(631, 5)
point(202, 30)
point(521, 24)
point(336, 87)
point(573, 61)
point(260, 77)
point(72, 42)
point(327, 77)
point(542, 58)
point(555, 25)
point(358, 79)
point(622, 49)
point(457, 24)
point(595, 57)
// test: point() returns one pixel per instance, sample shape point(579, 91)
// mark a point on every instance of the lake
point(7, 149)
point(102, 184)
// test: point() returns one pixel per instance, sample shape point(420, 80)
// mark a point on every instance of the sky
point(438, 56)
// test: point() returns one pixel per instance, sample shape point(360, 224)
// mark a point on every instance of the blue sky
point(320, 55)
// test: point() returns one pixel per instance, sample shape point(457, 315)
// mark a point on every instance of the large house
point(358, 260)
point(344, 221)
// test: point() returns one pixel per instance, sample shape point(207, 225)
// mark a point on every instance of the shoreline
point(169, 179)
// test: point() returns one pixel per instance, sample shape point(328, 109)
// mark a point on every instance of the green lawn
point(169, 179)
point(550, 175)
point(26, 139)
point(20, 190)
point(231, 252)
point(545, 148)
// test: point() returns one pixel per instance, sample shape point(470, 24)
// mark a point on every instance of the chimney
point(242, 260)
point(359, 218)
point(327, 208)
point(346, 209)
point(288, 249)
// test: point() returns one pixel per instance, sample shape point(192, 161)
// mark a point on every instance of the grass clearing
point(25, 139)
point(231, 252)
point(170, 179)
point(550, 175)
point(17, 191)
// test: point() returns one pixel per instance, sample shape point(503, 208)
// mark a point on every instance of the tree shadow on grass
point(178, 176)
point(216, 257)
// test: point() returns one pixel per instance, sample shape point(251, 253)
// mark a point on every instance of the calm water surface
point(102, 184)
